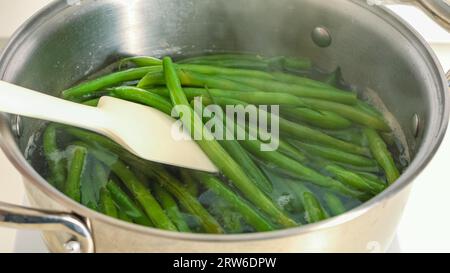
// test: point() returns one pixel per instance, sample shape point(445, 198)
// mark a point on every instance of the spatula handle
point(25, 102)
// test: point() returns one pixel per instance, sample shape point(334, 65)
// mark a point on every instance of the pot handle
point(438, 10)
point(19, 217)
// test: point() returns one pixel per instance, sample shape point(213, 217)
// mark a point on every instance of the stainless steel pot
point(373, 47)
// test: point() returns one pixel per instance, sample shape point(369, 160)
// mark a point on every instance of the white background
point(425, 226)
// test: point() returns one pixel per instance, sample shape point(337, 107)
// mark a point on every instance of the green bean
point(126, 205)
point(189, 181)
point(154, 99)
point(313, 209)
point(296, 63)
point(294, 79)
point(234, 149)
point(133, 94)
point(346, 173)
point(107, 205)
point(289, 150)
point(305, 133)
point(151, 79)
point(352, 135)
point(144, 197)
point(141, 176)
point(354, 168)
point(103, 143)
point(231, 79)
point(269, 98)
point(325, 93)
point(250, 215)
point(222, 56)
point(382, 155)
point(347, 111)
point(92, 102)
point(92, 206)
point(171, 208)
point(142, 96)
point(211, 69)
point(354, 180)
point(375, 184)
point(122, 216)
point(249, 61)
point(248, 69)
point(219, 156)
point(247, 164)
point(250, 97)
point(140, 61)
point(320, 118)
point(91, 98)
point(284, 147)
point(189, 78)
point(217, 71)
point(372, 177)
point(302, 132)
point(109, 80)
point(186, 200)
point(162, 91)
point(94, 139)
point(299, 169)
point(369, 109)
point(336, 155)
point(75, 169)
point(137, 188)
point(235, 64)
point(54, 157)
point(334, 204)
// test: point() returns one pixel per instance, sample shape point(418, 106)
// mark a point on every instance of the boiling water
point(228, 217)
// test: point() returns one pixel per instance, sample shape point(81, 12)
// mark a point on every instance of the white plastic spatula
point(144, 131)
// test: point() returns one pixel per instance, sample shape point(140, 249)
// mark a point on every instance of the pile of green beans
point(330, 158)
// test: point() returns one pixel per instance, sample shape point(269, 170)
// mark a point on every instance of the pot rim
point(421, 160)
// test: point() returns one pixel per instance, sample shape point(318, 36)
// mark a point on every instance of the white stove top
point(29, 242)
point(425, 223)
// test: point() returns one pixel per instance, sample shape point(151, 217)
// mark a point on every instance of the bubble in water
point(284, 199)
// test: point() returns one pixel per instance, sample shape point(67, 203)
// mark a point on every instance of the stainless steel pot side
point(374, 48)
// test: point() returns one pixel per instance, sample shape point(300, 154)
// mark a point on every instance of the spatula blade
point(152, 135)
